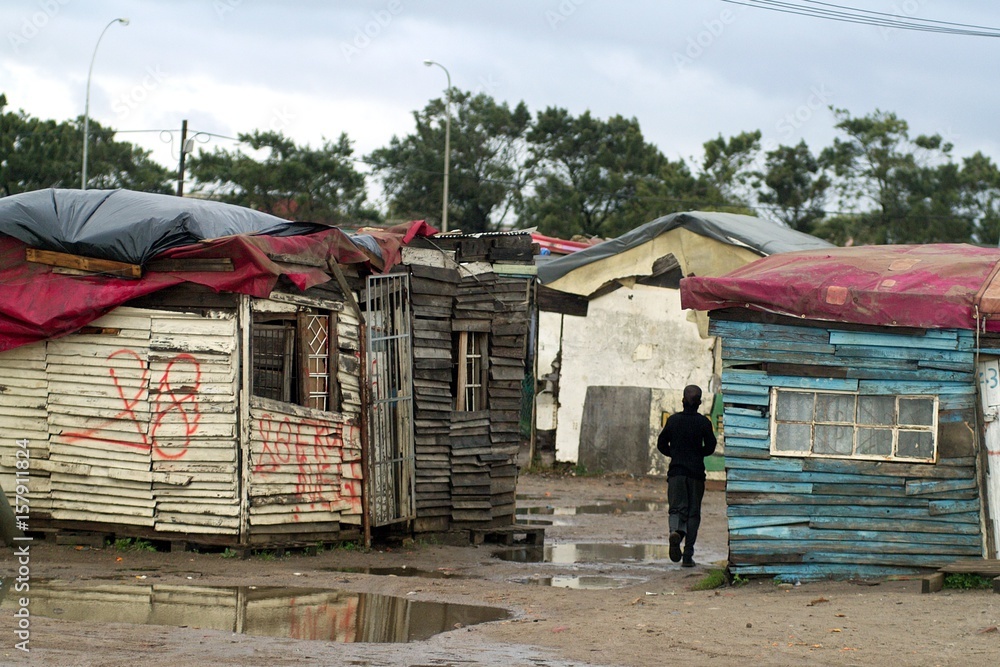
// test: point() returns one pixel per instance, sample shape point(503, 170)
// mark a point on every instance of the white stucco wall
point(635, 337)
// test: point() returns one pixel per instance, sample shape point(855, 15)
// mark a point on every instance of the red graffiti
point(313, 449)
point(336, 621)
point(170, 399)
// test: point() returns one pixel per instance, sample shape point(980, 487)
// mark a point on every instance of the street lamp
point(86, 108)
point(447, 145)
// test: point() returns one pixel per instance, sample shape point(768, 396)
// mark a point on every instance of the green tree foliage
point(36, 154)
point(794, 186)
point(894, 188)
point(980, 187)
point(727, 167)
point(291, 181)
point(486, 173)
point(588, 175)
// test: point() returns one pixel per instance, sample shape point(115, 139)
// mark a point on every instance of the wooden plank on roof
point(210, 264)
point(81, 263)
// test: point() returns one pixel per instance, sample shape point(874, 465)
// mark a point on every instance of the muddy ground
point(652, 617)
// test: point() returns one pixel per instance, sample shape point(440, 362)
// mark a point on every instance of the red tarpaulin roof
point(38, 303)
point(928, 286)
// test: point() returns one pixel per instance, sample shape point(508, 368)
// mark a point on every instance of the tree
point(36, 154)
point(795, 186)
point(588, 175)
point(896, 189)
point(486, 171)
point(300, 182)
point(727, 167)
point(980, 185)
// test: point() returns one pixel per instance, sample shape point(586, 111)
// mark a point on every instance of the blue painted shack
point(861, 392)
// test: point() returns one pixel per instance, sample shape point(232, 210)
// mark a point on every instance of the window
point(845, 425)
point(295, 358)
point(472, 370)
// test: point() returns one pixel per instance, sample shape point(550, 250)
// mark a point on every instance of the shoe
point(688, 562)
point(675, 545)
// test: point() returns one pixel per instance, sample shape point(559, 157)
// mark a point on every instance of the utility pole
point(180, 168)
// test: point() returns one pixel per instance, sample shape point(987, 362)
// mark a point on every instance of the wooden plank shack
point(850, 450)
point(157, 420)
point(216, 418)
point(472, 303)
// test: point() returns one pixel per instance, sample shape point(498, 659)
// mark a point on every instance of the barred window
point(856, 426)
point(472, 370)
point(294, 358)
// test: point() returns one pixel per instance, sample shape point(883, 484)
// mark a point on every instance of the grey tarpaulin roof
point(760, 236)
point(128, 226)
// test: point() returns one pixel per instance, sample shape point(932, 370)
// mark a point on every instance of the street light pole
point(447, 145)
point(86, 108)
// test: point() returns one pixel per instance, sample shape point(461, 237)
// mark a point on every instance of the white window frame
point(896, 429)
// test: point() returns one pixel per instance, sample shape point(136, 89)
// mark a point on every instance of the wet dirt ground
point(607, 596)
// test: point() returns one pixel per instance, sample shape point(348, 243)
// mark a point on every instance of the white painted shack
point(615, 348)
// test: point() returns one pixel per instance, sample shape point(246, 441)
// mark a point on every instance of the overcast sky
point(688, 70)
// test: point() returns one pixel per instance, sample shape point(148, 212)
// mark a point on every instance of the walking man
point(687, 438)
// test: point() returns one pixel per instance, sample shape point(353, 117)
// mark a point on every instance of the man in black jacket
point(687, 438)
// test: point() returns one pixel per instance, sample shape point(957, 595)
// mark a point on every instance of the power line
point(847, 14)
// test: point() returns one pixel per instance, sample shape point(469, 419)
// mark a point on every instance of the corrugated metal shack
point(854, 439)
point(252, 389)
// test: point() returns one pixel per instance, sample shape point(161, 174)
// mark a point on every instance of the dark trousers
point(685, 495)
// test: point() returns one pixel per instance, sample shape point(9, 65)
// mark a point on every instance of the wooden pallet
point(508, 535)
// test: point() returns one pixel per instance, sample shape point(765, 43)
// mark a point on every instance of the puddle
point(568, 554)
point(397, 572)
point(533, 522)
point(584, 582)
point(294, 613)
point(599, 508)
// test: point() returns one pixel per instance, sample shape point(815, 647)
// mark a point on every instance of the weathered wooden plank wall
point(466, 461)
point(131, 421)
point(305, 473)
point(811, 517)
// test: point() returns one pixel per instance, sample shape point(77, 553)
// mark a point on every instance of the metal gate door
point(989, 390)
point(390, 452)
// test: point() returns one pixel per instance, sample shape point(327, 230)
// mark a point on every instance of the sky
point(688, 70)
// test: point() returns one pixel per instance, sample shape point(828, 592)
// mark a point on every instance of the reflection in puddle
point(599, 508)
point(403, 571)
point(585, 582)
point(300, 613)
point(567, 554)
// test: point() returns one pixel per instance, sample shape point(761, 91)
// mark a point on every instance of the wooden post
point(244, 320)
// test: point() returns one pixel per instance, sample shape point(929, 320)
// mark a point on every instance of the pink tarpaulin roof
point(38, 302)
point(927, 286)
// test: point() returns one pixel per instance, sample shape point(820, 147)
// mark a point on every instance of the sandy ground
point(653, 618)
